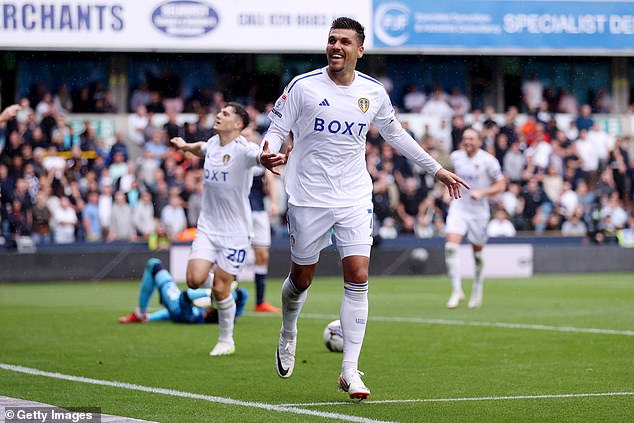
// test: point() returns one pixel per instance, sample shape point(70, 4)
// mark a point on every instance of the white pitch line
point(517, 397)
point(468, 323)
point(190, 395)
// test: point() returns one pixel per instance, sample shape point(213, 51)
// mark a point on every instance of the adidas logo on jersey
point(324, 102)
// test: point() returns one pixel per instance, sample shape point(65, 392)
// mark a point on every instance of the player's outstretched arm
point(9, 113)
point(271, 160)
point(396, 136)
point(452, 181)
point(194, 148)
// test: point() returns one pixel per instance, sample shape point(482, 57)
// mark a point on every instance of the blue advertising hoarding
point(505, 26)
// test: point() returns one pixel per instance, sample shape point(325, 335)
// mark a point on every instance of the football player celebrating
point(224, 225)
point(470, 215)
point(329, 112)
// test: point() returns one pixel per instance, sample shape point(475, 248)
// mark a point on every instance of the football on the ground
point(333, 336)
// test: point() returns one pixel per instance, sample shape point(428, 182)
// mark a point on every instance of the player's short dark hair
point(349, 23)
point(241, 112)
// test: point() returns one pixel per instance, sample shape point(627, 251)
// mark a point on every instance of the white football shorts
point(310, 230)
point(261, 229)
point(228, 252)
point(473, 226)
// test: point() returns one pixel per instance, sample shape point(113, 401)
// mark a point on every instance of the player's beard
point(337, 67)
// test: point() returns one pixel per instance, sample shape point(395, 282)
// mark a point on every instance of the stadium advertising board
point(505, 26)
point(173, 25)
point(503, 261)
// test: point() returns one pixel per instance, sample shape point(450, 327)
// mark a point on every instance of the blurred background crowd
point(61, 183)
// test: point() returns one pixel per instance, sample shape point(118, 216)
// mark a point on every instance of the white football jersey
point(479, 172)
point(228, 175)
point(329, 123)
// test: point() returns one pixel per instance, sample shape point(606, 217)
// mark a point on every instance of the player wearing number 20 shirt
point(226, 212)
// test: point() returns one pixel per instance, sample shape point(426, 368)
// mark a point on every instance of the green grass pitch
point(419, 358)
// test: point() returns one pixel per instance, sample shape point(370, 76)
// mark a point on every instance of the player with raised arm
point(329, 111)
point(470, 215)
point(224, 224)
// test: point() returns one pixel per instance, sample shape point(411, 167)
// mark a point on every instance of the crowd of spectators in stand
point(58, 186)
point(571, 181)
point(95, 97)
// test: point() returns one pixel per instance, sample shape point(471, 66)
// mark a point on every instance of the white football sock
point(478, 280)
point(292, 301)
point(353, 315)
point(262, 269)
point(453, 265)
point(226, 316)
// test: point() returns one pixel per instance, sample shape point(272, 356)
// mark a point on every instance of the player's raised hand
point(271, 160)
point(178, 142)
point(452, 181)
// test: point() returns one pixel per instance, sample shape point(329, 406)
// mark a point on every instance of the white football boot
point(285, 356)
point(352, 384)
point(476, 297)
point(223, 348)
point(454, 300)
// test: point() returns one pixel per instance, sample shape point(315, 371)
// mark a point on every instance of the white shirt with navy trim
point(479, 172)
point(228, 175)
point(329, 123)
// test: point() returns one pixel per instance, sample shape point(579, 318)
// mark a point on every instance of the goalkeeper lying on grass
point(188, 306)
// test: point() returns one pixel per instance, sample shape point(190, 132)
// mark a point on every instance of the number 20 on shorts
point(237, 256)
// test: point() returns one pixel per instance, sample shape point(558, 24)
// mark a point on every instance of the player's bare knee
point(220, 293)
point(355, 269)
point(302, 277)
point(192, 283)
point(222, 285)
point(356, 276)
point(195, 278)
